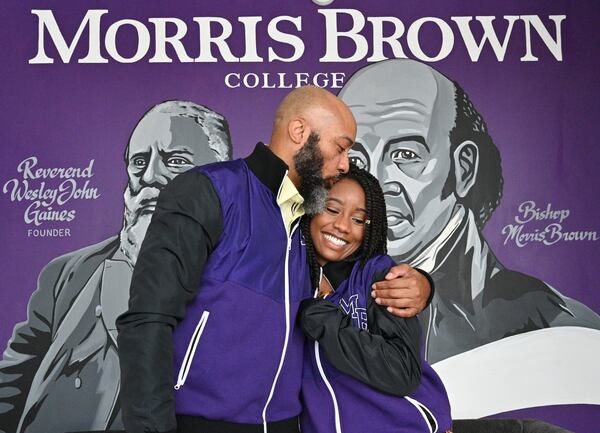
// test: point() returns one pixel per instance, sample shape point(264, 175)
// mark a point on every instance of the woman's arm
point(386, 357)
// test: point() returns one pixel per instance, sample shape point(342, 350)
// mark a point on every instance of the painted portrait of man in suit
point(440, 170)
point(60, 370)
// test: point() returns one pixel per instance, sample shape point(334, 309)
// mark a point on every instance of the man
point(215, 292)
point(440, 171)
point(60, 371)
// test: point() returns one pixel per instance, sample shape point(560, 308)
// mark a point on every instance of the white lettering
point(529, 212)
point(37, 216)
point(554, 45)
point(286, 38)
point(43, 233)
point(228, 78)
point(46, 20)
point(143, 37)
point(251, 54)
point(161, 40)
point(489, 34)
point(345, 39)
point(283, 80)
point(207, 40)
point(412, 38)
point(379, 40)
point(332, 35)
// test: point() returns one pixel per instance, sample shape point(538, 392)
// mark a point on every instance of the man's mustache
point(399, 206)
point(394, 214)
point(142, 202)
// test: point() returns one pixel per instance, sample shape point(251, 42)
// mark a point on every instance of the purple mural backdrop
point(78, 77)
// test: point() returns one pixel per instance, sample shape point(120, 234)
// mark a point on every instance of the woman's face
point(339, 230)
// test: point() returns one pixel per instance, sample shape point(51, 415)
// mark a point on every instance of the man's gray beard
point(316, 200)
point(135, 224)
point(309, 165)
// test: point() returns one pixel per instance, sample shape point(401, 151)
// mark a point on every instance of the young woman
point(364, 370)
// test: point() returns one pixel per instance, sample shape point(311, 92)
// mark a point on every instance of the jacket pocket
point(427, 415)
point(191, 350)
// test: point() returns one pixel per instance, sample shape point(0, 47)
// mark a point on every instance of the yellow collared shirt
point(290, 202)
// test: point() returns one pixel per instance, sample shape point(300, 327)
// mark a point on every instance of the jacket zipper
point(336, 409)
point(287, 319)
point(191, 350)
point(427, 415)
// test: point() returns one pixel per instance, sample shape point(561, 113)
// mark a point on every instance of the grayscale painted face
point(404, 111)
point(161, 147)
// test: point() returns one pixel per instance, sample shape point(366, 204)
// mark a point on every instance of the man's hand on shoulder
point(405, 291)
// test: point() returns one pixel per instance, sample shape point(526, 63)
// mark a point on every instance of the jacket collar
point(337, 272)
point(267, 167)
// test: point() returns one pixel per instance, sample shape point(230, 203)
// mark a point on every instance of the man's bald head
point(419, 133)
point(307, 102)
point(317, 109)
point(313, 112)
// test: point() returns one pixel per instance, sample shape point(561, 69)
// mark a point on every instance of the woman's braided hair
point(375, 240)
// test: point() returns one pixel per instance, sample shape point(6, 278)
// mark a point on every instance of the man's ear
point(466, 163)
point(298, 130)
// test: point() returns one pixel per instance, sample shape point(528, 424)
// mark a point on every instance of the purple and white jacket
point(364, 369)
point(214, 299)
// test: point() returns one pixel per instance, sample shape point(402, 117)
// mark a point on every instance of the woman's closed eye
point(359, 221)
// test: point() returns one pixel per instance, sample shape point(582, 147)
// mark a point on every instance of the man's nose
point(344, 164)
point(156, 173)
point(392, 188)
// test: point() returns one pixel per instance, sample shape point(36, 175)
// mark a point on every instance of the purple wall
point(542, 116)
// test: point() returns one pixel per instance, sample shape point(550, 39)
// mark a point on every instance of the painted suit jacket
point(60, 371)
point(477, 300)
